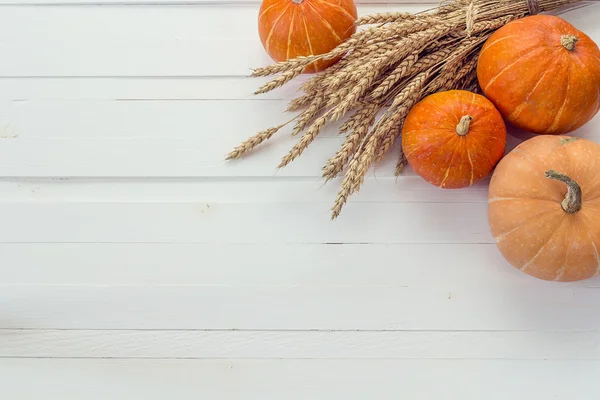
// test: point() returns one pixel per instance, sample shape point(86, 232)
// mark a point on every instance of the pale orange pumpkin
point(544, 207)
point(542, 74)
point(292, 28)
point(453, 139)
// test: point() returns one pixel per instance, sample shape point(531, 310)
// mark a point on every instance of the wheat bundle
point(384, 69)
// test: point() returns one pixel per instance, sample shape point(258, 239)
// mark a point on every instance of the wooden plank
point(151, 138)
point(407, 189)
point(166, 41)
point(131, 344)
point(205, 222)
point(101, 138)
point(544, 307)
point(260, 265)
point(297, 379)
point(143, 88)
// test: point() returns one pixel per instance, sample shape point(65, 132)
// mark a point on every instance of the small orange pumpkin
point(293, 28)
point(544, 207)
point(542, 74)
point(453, 139)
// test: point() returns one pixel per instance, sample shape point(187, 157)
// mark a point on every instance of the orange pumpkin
point(544, 207)
point(292, 28)
point(542, 74)
point(453, 139)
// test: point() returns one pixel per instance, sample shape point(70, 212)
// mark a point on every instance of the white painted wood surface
point(136, 264)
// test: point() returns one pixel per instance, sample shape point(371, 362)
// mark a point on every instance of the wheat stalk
point(385, 18)
point(395, 61)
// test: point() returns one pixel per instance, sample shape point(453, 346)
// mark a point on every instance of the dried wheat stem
point(355, 66)
point(280, 80)
point(413, 87)
point(362, 161)
point(401, 163)
point(316, 83)
point(430, 60)
point(299, 103)
point(360, 123)
point(350, 100)
point(336, 164)
point(344, 193)
point(364, 111)
point(397, 60)
point(334, 97)
point(361, 78)
point(469, 18)
point(374, 35)
point(304, 141)
point(394, 128)
point(399, 72)
point(252, 142)
point(493, 24)
point(469, 83)
point(466, 70)
point(357, 171)
point(463, 50)
point(283, 66)
point(448, 79)
point(369, 37)
point(384, 18)
point(309, 114)
point(402, 48)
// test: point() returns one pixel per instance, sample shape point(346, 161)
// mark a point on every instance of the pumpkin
point(454, 138)
point(544, 207)
point(542, 74)
point(293, 28)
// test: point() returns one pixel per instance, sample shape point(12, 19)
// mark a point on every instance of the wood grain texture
point(286, 221)
point(143, 88)
point(136, 264)
point(102, 138)
point(167, 41)
point(408, 189)
point(313, 345)
point(548, 307)
point(261, 265)
point(298, 379)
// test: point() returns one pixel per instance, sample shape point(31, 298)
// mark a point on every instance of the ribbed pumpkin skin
point(531, 229)
point(288, 29)
point(534, 81)
point(442, 157)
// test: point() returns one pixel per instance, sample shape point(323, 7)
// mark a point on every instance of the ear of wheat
point(399, 59)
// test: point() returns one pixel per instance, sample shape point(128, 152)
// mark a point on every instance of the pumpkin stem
point(297, 1)
point(568, 41)
point(463, 125)
point(572, 202)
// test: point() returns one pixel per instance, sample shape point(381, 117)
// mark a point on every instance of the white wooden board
point(58, 379)
point(298, 345)
point(215, 40)
point(136, 264)
point(551, 307)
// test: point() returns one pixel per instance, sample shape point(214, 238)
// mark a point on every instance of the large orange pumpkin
point(542, 74)
point(292, 28)
point(452, 139)
point(544, 207)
